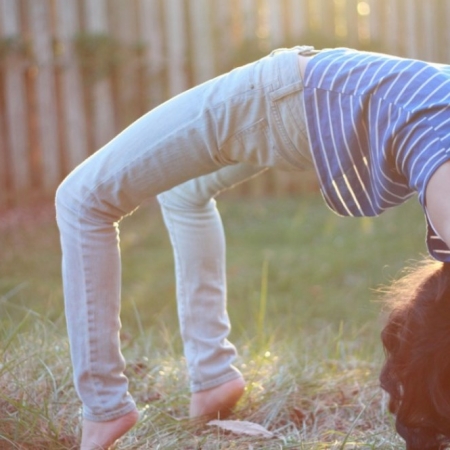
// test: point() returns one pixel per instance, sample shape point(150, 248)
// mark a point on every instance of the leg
point(234, 118)
point(146, 159)
point(198, 241)
point(92, 273)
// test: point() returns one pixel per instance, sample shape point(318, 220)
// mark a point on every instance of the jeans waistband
point(291, 72)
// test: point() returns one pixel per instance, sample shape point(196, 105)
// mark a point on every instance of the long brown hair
point(416, 340)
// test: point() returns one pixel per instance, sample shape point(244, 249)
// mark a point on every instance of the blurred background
point(73, 73)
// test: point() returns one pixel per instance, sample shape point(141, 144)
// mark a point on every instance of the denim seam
point(197, 387)
point(287, 142)
point(87, 330)
point(111, 416)
point(181, 305)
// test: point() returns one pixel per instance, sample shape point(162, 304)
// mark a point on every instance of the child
point(373, 127)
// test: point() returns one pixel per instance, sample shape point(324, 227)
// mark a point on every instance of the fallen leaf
point(242, 427)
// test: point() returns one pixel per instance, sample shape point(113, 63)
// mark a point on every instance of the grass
point(305, 320)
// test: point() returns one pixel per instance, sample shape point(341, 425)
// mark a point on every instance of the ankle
point(218, 401)
point(102, 435)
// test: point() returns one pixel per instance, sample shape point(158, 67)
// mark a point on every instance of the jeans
point(184, 151)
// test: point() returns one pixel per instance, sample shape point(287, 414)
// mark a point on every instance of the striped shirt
point(379, 126)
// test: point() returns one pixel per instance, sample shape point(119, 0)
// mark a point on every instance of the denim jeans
point(185, 152)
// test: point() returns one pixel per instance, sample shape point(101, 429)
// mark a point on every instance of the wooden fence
point(75, 72)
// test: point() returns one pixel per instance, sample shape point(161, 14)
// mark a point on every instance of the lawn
point(305, 314)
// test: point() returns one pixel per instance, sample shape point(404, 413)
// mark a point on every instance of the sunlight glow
point(363, 9)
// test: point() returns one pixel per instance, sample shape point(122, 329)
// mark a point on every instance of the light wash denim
point(215, 135)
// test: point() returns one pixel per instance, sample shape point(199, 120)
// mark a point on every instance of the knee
point(62, 202)
point(68, 198)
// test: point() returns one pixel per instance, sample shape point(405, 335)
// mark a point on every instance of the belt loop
point(305, 50)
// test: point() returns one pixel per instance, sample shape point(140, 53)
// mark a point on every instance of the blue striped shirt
point(379, 126)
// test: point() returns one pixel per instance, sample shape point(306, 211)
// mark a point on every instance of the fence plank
point(316, 16)
point(152, 37)
point(327, 18)
point(352, 23)
point(96, 16)
point(39, 17)
point(250, 31)
point(445, 30)
point(15, 102)
point(376, 17)
point(181, 42)
point(123, 25)
point(393, 34)
point(202, 51)
point(428, 12)
point(250, 19)
point(4, 165)
point(223, 24)
point(4, 173)
point(177, 48)
point(73, 121)
point(276, 28)
point(104, 128)
point(412, 44)
point(297, 21)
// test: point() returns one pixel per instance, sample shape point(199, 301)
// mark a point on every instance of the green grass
point(305, 319)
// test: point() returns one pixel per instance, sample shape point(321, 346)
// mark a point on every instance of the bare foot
point(218, 401)
point(101, 435)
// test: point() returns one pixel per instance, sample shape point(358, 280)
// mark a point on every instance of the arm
point(438, 201)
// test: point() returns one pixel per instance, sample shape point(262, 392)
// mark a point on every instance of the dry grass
point(312, 392)
point(304, 323)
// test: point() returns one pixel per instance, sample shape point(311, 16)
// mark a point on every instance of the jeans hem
point(105, 417)
point(198, 387)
